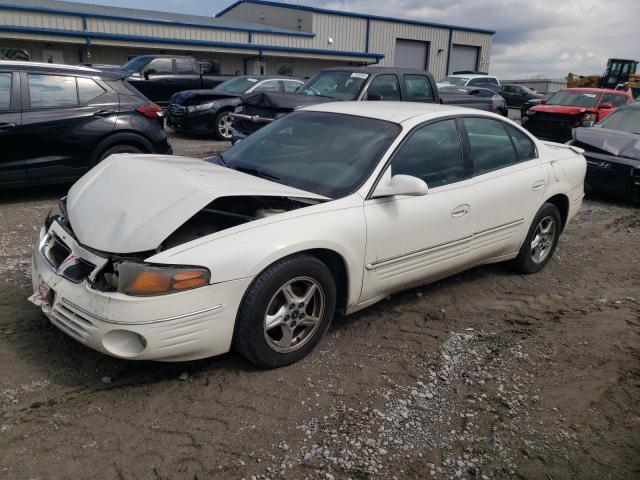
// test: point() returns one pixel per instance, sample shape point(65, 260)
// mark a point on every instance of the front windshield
point(339, 85)
point(574, 99)
point(135, 64)
point(237, 85)
point(624, 120)
point(457, 81)
point(328, 154)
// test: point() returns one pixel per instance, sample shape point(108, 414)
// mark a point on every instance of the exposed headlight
point(199, 108)
point(56, 212)
point(141, 279)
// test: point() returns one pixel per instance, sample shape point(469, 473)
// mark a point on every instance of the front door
point(412, 240)
point(12, 164)
point(509, 187)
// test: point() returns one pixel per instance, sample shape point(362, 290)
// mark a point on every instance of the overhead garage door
point(411, 54)
point(463, 57)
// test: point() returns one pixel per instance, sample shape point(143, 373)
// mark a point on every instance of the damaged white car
point(332, 207)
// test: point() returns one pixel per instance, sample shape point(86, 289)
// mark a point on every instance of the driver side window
point(432, 153)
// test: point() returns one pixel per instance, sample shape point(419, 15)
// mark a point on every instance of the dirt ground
point(486, 375)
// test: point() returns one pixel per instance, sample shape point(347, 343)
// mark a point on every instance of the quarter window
point(432, 153)
point(418, 88)
point(525, 148)
point(386, 86)
point(5, 91)
point(290, 86)
point(268, 86)
point(491, 147)
point(88, 90)
point(52, 91)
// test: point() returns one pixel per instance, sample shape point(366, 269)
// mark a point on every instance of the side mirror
point(606, 106)
point(148, 72)
point(374, 97)
point(400, 185)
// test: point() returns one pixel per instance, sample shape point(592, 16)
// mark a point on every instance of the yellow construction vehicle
point(618, 72)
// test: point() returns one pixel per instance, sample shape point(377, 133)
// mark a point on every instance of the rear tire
point(541, 240)
point(119, 148)
point(285, 312)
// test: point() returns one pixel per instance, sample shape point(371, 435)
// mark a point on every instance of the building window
point(285, 69)
point(21, 54)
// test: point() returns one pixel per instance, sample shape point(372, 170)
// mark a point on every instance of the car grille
point(76, 270)
point(177, 110)
point(72, 320)
point(551, 126)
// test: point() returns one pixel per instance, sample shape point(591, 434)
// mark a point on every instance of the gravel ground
point(487, 374)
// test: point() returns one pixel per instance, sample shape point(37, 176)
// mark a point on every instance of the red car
point(570, 108)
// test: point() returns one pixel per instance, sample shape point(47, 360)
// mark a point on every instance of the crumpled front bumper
point(181, 326)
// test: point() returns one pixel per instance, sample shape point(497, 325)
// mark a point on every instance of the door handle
point(6, 126)
point(460, 210)
point(103, 113)
point(539, 185)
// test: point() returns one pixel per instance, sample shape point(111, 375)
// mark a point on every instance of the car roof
point(471, 75)
point(268, 77)
point(397, 112)
point(374, 70)
point(593, 90)
point(58, 68)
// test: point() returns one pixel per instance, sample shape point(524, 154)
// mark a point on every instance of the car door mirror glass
point(606, 106)
point(400, 185)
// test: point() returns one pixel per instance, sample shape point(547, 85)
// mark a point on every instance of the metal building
point(250, 36)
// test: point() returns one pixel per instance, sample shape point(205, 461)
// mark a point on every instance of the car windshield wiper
point(256, 172)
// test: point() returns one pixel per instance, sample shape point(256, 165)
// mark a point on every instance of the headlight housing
point(200, 107)
point(143, 279)
point(56, 213)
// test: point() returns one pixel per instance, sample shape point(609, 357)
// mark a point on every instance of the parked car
point(332, 207)
point(518, 95)
point(349, 84)
point(534, 102)
point(499, 103)
point(570, 108)
point(207, 111)
point(57, 121)
point(160, 76)
point(460, 79)
point(612, 150)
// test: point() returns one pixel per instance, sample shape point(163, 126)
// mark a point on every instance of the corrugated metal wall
point(39, 20)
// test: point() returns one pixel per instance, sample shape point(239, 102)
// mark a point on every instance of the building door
point(259, 67)
point(52, 56)
point(463, 58)
point(411, 54)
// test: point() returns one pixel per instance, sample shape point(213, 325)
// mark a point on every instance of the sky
point(547, 38)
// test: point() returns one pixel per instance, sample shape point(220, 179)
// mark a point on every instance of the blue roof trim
point(175, 41)
point(8, 6)
point(352, 14)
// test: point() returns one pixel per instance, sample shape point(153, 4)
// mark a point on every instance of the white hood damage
point(132, 203)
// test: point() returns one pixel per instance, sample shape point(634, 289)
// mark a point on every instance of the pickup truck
point(158, 77)
point(348, 84)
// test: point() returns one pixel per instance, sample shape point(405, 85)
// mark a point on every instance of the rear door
point(158, 82)
point(64, 118)
point(187, 75)
point(509, 185)
point(12, 161)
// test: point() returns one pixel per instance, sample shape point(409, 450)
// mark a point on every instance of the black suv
point(58, 121)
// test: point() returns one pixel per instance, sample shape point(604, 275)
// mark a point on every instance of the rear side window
point(52, 91)
point(432, 153)
point(268, 86)
point(88, 90)
point(386, 86)
point(525, 148)
point(418, 88)
point(491, 146)
point(5, 91)
point(185, 66)
point(290, 86)
point(615, 99)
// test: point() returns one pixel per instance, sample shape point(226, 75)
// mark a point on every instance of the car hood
point(283, 101)
point(563, 109)
point(132, 203)
point(620, 144)
point(187, 97)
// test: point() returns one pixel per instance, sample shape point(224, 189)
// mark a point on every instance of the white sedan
point(332, 207)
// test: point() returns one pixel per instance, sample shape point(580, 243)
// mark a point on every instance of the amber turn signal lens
point(189, 279)
point(151, 282)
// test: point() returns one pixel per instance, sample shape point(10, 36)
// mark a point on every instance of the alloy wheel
point(294, 314)
point(224, 126)
point(543, 239)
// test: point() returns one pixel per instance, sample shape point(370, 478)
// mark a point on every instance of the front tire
point(285, 312)
point(541, 241)
point(222, 126)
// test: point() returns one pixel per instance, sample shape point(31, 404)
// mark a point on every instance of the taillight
point(152, 111)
